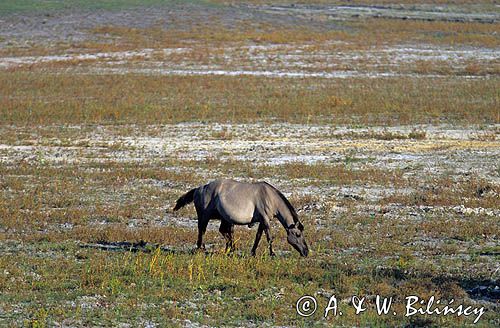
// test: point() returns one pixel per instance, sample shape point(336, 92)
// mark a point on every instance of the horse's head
point(295, 237)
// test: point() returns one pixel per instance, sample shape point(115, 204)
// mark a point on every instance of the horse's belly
point(237, 214)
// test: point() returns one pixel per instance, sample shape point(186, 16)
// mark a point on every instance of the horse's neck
point(284, 215)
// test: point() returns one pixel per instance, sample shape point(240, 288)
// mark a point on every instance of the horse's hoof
point(200, 250)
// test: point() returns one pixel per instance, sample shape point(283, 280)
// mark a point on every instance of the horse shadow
point(147, 247)
point(134, 247)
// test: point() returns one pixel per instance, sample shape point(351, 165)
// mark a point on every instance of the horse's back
point(238, 202)
point(207, 196)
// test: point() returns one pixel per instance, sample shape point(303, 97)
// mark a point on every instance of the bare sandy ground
point(445, 151)
point(299, 60)
point(273, 60)
point(73, 25)
point(475, 148)
point(424, 11)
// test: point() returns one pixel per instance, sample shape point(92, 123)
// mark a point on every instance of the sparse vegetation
point(54, 209)
point(394, 176)
point(39, 98)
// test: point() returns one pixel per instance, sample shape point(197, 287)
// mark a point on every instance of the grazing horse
point(242, 203)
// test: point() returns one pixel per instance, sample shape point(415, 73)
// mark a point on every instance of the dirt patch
point(416, 12)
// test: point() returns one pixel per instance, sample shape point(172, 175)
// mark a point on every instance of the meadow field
point(378, 120)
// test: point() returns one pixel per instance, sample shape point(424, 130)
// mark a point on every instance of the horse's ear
point(300, 226)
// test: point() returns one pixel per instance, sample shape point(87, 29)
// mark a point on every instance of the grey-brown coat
point(240, 203)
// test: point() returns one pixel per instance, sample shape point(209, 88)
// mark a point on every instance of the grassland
point(30, 6)
point(65, 187)
point(39, 98)
point(392, 165)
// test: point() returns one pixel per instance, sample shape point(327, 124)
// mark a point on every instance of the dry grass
point(101, 283)
point(341, 175)
point(48, 210)
point(40, 98)
point(363, 2)
point(449, 192)
point(415, 134)
point(214, 34)
point(356, 33)
point(361, 33)
point(450, 33)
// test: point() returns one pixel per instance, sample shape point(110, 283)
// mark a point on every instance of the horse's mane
point(287, 203)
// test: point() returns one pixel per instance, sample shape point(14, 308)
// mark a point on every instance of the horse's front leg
point(269, 240)
point(257, 238)
point(231, 238)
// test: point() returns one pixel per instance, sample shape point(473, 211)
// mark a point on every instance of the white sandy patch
point(444, 149)
point(275, 74)
point(274, 60)
point(118, 55)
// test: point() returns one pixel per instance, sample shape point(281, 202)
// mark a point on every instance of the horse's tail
point(185, 199)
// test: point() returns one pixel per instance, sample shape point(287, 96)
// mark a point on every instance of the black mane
point(287, 203)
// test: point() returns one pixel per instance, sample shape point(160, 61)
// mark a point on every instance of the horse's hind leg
point(257, 238)
point(202, 227)
point(227, 230)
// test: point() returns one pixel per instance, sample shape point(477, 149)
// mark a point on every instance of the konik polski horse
point(240, 203)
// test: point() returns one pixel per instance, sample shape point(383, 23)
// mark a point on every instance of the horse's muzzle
point(304, 252)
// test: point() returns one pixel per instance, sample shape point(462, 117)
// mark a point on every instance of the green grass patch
point(46, 6)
